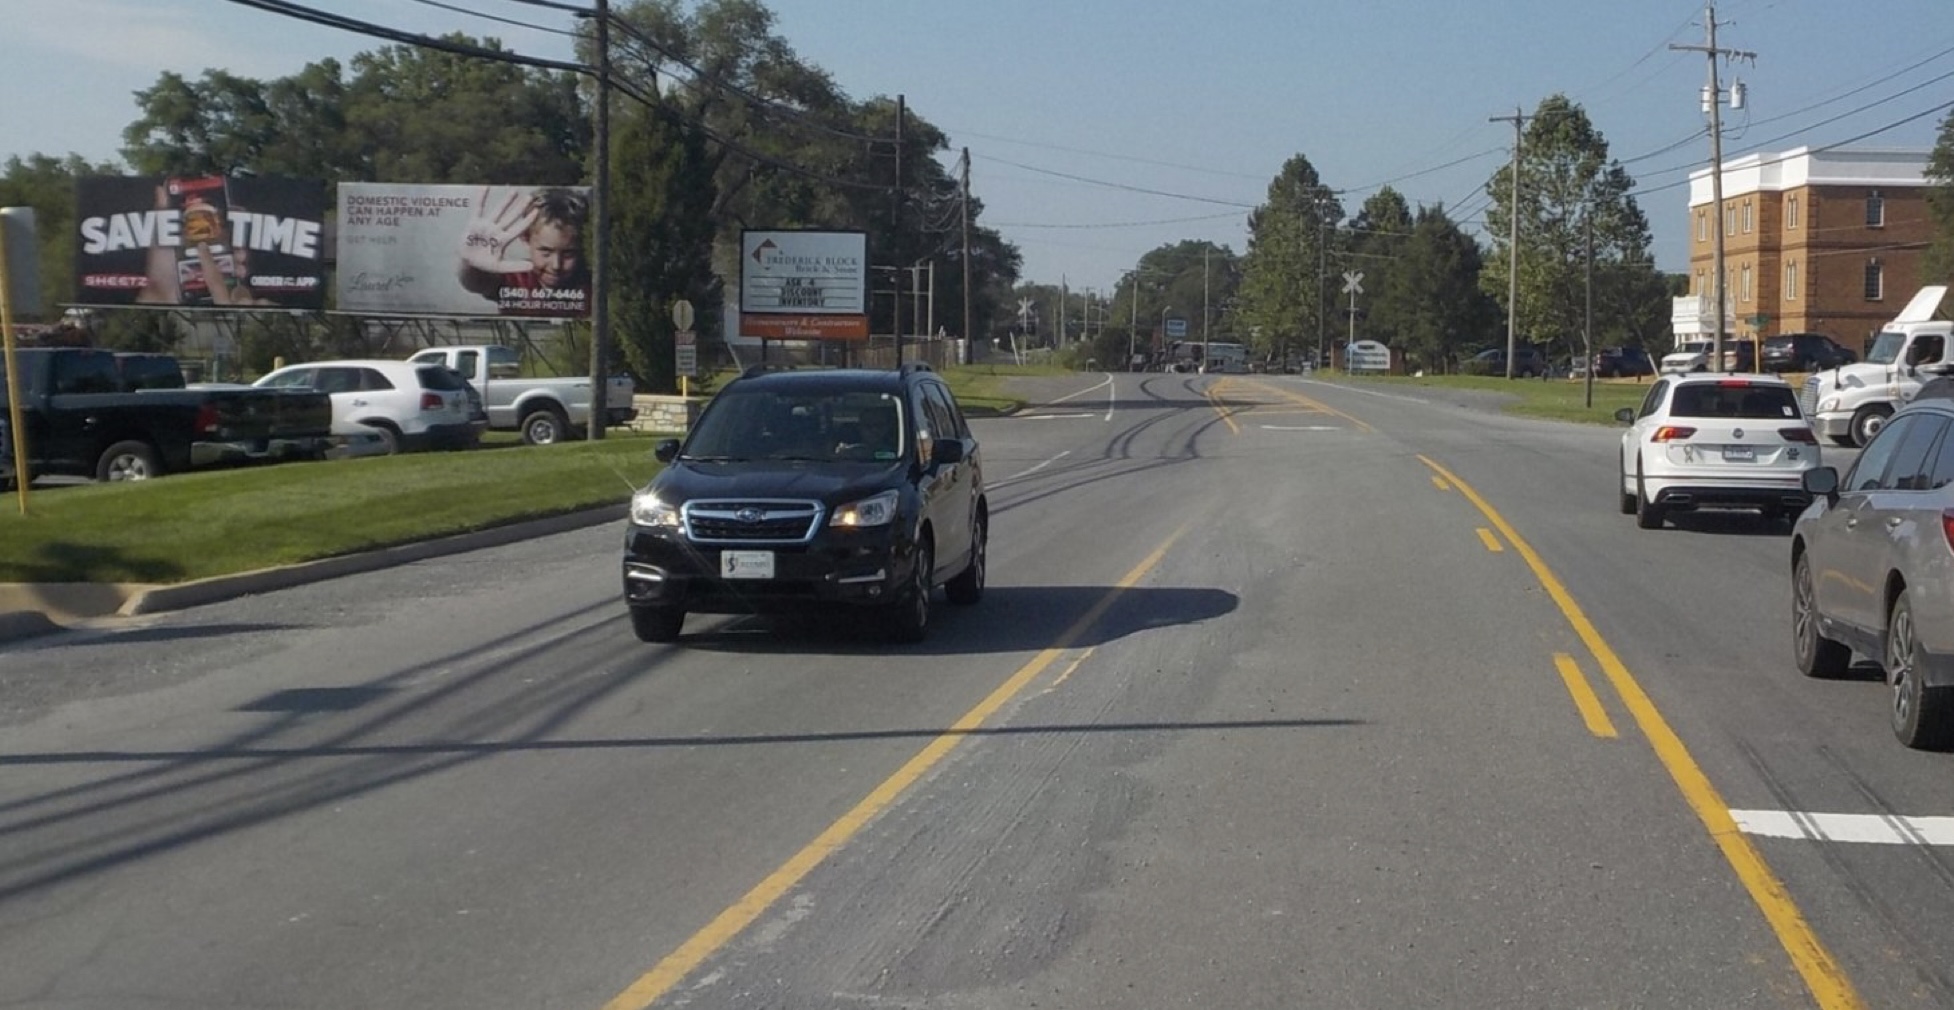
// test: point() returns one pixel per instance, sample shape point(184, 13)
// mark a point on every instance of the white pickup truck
point(544, 410)
point(1850, 403)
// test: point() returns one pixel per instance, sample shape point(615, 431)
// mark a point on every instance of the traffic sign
point(686, 349)
point(1353, 282)
point(682, 314)
point(1177, 327)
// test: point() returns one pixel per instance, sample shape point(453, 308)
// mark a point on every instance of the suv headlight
point(648, 510)
point(879, 510)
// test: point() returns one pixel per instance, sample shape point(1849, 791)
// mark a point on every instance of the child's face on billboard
point(554, 253)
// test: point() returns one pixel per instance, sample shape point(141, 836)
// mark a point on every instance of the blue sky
point(1199, 100)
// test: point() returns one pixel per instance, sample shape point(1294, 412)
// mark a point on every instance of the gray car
point(1872, 565)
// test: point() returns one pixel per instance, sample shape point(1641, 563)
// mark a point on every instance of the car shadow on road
point(1729, 522)
point(1009, 619)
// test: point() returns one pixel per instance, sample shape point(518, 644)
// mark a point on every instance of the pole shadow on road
point(1010, 619)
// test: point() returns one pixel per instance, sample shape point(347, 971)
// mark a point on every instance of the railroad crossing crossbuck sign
point(1353, 282)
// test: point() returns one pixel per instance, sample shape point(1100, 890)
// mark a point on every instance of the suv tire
point(1648, 515)
point(129, 460)
point(1817, 656)
point(909, 615)
point(968, 587)
point(1922, 715)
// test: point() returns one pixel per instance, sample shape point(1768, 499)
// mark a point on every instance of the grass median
point(1558, 399)
point(195, 525)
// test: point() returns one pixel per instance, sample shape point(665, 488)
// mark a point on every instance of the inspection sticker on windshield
point(746, 565)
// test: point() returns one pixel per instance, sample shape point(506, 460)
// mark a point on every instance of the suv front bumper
point(837, 569)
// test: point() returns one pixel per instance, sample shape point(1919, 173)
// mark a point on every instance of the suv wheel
point(1922, 715)
point(1648, 515)
point(1817, 655)
point(657, 624)
point(909, 616)
point(968, 587)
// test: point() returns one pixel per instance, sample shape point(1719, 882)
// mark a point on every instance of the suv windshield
point(812, 425)
point(1734, 399)
point(1886, 349)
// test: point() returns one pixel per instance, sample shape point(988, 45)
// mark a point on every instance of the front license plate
point(746, 565)
point(1739, 454)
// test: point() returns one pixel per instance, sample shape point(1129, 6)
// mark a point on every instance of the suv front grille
point(1808, 396)
point(734, 521)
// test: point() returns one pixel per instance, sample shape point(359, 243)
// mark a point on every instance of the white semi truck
point(1850, 403)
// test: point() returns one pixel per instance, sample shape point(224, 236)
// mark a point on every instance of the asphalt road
point(1262, 709)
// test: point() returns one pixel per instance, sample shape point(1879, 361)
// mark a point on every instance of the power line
point(1119, 224)
point(555, 6)
point(1429, 171)
point(1119, 185)
point(1876, 82)
point(496, 18)
point(1827, 147)
point(368, 28)
point(1105, 154)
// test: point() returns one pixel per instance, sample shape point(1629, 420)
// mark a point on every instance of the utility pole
point(600, 256)
point(895, 244)
point(1204, 304)
point(1322, 266)
point(1133, 328)
point(1513, 240)
point(1713, 104)
point(1064, 306)
point(1587, 328)
point(969, 338)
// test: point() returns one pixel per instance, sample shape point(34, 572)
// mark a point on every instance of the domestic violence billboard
point(407, 249)
point(200, 242)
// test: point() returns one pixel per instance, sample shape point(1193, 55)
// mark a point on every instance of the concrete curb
point(217, 589)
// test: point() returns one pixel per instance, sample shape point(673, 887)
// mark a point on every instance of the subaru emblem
point(749, 515)
point(1739, 433)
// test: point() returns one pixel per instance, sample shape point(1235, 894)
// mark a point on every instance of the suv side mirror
point(666, 450)
point(946, 451)
point(1626, 415)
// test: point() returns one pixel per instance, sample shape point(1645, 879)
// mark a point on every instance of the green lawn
point(194, 525)
point(1559, 399)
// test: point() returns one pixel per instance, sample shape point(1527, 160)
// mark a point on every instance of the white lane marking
point(1876, 829)
point(1301, 427)
point(1082, 392)
point(1112, 397)
point(1035, 469)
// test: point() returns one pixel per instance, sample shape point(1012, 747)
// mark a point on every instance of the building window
point(1747, 217)
point(1744, 285)
point(1791, 214)
point(1702, 226)
point(1730, 220)
point(1875, 281)
point(1791, 281)
point(1875, 209)
point(1697, 288)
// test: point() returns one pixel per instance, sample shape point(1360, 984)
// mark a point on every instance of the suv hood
point(831, 483)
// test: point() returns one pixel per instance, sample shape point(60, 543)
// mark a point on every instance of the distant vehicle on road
point(1717, 441)
point(1528, 362)
point(1225, 359)
point(545, 410)
point(1620, 362)
point(1872, 565)
point(1804, 352)
point(1849, 403)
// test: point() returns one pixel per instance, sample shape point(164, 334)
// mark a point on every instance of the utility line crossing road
point(1284, 694)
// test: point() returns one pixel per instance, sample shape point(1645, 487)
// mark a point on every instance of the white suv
point(410, 406)
point(1721, 441)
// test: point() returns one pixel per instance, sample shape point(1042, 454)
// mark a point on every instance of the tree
point(1378, 236)
point(1431, 294)
point(1283, 300)
point(1938, 265)
point(47, 184)
point(661, 237)
point(1567, 183)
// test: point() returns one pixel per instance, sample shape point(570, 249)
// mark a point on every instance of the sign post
point(19, 287)
point(684, 345)
point(1353, 284)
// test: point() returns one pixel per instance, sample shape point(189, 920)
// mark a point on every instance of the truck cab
point(1850, 403)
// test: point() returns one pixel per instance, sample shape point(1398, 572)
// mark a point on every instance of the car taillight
point(1673, 433)
point(207, 418)
point(1947, 526)
point(432, 401)
point(1798, 435)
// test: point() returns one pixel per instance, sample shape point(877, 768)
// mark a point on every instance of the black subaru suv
point(804, 491)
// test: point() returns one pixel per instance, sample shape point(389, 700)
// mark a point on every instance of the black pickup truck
point(97, 413)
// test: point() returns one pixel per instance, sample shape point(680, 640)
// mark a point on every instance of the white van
point(1225, 359)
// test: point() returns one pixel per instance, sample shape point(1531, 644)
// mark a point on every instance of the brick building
point(1814, 242)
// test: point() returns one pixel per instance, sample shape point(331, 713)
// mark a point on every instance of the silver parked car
point(1872, 565)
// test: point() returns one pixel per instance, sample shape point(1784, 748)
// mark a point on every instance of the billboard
point(408, 249)
point(804, 285)
point(200, 242)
